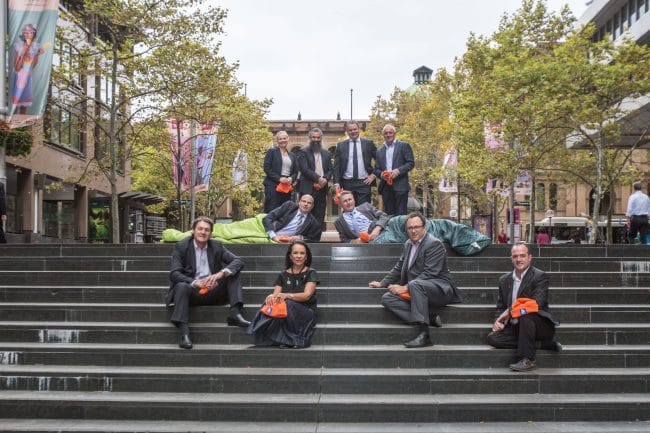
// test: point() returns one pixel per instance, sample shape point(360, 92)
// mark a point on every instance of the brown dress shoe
point(524, 364)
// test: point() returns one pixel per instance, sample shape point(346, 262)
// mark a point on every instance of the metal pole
point(178, 171)
point(351, 117)
point(3, 57)
point(511, 226)
point(192, 140)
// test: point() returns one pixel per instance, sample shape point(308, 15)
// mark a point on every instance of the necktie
point(301, 217)
point(318, 162)
point(355, 161)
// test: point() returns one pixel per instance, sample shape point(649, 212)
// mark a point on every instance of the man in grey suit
point(422, 272)
point(353, 164)
point(357, 219)
point(393, 162)
point(315, 171)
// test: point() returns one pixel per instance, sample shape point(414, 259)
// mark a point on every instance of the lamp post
point(550, 213)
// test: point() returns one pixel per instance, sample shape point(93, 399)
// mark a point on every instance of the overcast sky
point(307, 55)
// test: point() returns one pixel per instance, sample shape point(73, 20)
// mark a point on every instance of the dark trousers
point(426, 299)
point(522, 335)
point(229, 291)
point(320, 202)
point(638, 223)
point(274, 199)
point(359, 190)
point(395, 202)
point(3, 239)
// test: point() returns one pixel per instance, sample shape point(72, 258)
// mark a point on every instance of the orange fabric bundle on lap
point(284, 239)
point(386, 175)
point(337, 192)
point(277, 311)
point(405, 295)
point(523, 306)
point(364, 236)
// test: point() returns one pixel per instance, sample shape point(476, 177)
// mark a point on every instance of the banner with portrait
point(448, 181)
point(31, 30)
point(205, 144)
point(180, 135)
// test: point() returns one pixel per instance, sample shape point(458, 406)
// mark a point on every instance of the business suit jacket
point(403, 160)
point(307, 169)
point(279, 217)
point(377, 218)
point(342, 153)
point(183, 266)
point(429, 268)
point(534, 285)
point(273, 167)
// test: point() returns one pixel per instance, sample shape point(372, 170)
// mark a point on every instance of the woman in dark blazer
point(280, 168)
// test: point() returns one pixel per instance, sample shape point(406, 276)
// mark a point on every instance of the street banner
point(240, 170)
point(181, 152)
point(494, 138)
point(523, 185)
point(31, 30)
point(448, 180)
point(204, 148)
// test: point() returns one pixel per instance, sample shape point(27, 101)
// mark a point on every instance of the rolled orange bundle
point(386, 175)
point(337, 192)
point(284, 239)
point(523, 306)
point(405, 295)
point(284, 188)
point(365, 237)
point(203, 290)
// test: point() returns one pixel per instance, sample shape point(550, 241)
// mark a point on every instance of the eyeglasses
point(411, 228)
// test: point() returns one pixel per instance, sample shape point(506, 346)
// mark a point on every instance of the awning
point(141, 197)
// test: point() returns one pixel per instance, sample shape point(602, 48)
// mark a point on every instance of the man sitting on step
point(524, 316)
point(203, 272)
point(356, 220)
point(293, 222)
point(420, 281)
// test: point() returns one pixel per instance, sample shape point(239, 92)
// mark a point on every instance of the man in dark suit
point(393, 162)
point(521, 333)
point(292, 222)
point(3, 213)
point(353, 164)
point(203, 272)
point(315, 171)
point(422, 272)
point(357, 219)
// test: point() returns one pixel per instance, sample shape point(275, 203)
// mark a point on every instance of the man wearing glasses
point(420, 283)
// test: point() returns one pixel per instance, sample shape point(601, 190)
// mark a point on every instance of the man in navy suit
point(521, 333)
point(393, 162)
point(353, 164)
point(203, 272)
point(315, 171)
point(293, 221)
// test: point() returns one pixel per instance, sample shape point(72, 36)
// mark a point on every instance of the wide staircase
point(86, 345)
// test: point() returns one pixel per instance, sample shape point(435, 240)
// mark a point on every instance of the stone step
point(325, 407)
point(638, 252)
point(316, 356)
point(323, 380)
point(135, 426)
point(323, 263)
point(327, 313)
point(330, 333)
point(336, 295)
point(327, 278)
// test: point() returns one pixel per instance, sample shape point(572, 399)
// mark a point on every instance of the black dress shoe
point(237, 320)
point(436, 321)
point(185, 342)
point(420, 340)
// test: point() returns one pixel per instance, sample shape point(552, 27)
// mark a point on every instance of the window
point(616, 26)
point(552, 196)
point(540, 196)
point(639, 9)
point(64, 125)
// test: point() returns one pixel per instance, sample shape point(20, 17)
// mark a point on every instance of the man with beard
point(315, 171)
point(353, 164)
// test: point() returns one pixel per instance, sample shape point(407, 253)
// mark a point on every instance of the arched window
point(540, 196)
point(552, 196)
